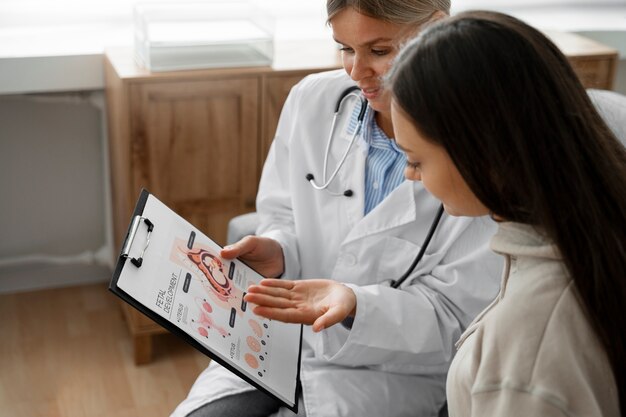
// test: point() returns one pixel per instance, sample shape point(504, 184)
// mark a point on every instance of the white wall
point(53, 205)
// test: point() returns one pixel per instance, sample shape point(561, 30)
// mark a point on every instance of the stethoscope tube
point(420, 255)
point(348, 193)
point(326, 182)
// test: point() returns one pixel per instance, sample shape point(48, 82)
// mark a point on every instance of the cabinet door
point(194, 145)
point(275, 91)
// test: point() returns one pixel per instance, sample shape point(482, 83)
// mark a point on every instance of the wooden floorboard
point(67, 353)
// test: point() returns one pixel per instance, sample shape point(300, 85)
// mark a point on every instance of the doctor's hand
point(320, 302)
point(263, 254)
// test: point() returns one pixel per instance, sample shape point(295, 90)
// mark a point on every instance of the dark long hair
point(516, 121)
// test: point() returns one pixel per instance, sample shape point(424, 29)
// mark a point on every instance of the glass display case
point(210, 34)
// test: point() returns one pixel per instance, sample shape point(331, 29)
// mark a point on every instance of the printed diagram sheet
point(211, 301)
point(183, 279)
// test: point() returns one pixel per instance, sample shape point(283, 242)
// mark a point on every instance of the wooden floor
point(67, 353)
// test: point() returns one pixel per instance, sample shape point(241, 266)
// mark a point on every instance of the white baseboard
point(33, 277)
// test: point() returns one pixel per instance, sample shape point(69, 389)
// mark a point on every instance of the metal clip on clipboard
point(131, 237)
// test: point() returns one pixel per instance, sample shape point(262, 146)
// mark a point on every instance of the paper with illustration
point(172, 272)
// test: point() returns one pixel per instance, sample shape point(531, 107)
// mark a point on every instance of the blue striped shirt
point(385, 163)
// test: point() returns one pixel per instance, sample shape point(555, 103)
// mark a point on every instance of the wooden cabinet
point(276, 88)
point(193, 145)
point(594, 63)
point(198, 139)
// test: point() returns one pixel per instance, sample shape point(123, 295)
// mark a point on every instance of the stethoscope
point(351, 91)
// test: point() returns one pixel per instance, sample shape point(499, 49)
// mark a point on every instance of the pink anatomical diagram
point(205, 321)
point(256, 343)
point(256, 327)
point(251, 361)
point(213, 271)
point(253, 344)
point(209, 271)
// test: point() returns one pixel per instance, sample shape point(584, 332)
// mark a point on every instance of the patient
point(494, 120)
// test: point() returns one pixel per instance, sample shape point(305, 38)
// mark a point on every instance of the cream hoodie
point(532, 352)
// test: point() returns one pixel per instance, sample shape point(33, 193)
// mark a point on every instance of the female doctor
point(362, 229)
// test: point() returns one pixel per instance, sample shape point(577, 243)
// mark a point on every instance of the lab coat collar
point(397, 209)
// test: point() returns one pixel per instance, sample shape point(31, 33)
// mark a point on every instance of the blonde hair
point(404, 12)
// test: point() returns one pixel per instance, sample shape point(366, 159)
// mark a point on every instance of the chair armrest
point(612, 108)
point(241, 226)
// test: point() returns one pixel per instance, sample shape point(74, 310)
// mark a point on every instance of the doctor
point(391, 358)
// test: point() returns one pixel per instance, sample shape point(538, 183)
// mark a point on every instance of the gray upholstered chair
point(612, 107)
point(241, 226)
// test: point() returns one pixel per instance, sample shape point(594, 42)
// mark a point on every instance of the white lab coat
point(393, 360)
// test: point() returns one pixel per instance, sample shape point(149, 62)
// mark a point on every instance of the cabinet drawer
point(594, 73)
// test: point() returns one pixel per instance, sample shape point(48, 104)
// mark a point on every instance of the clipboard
point(171, 272)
